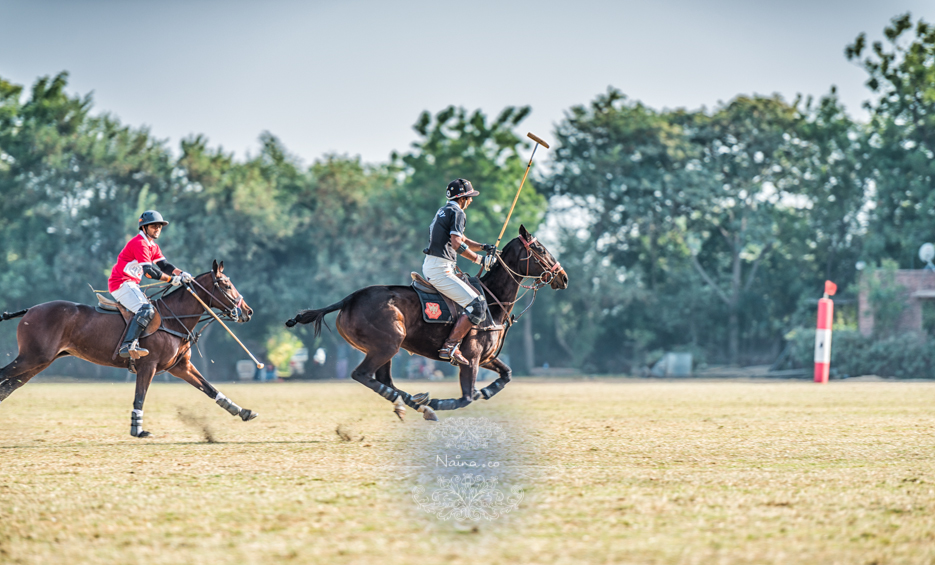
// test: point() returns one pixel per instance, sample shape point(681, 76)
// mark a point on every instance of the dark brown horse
point(56, 329)
point(381, 320)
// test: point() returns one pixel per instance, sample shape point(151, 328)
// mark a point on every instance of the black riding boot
point(138, 324)
point(450, 351)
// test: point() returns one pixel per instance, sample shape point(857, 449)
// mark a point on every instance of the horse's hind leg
point(384, 376)
point(379, 365)
point(383, 384)
point(144, 377)
point(374, 365)
point(18, 373)
point(188, 373)
point(37, 349)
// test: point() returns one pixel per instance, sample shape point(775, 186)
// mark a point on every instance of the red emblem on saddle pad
point(433, 310)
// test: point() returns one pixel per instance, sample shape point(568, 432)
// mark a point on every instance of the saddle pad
point(436, 310)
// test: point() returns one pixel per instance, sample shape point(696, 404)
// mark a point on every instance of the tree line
point(709, 231)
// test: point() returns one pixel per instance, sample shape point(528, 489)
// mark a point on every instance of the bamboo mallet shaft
point(539, 142)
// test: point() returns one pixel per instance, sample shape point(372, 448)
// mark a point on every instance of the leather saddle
point(439, 309)
point(107, 306)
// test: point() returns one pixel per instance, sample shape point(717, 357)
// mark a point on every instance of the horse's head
point(527, 256)
point(217, 291)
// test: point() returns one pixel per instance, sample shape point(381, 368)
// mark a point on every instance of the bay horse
point(60, 328)
point(381, 320)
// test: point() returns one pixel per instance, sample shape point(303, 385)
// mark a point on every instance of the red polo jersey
point(137, 252)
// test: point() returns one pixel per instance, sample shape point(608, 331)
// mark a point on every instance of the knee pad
point(477, 310)
point(145, 314)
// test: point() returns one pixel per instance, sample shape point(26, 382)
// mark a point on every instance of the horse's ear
point(214, 266)
point(523, 232)
point(221, 267)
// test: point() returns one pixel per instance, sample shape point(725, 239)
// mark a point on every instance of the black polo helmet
point(151, 217)
point(460, 188)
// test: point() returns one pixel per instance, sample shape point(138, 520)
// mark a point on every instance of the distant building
point(918, 287)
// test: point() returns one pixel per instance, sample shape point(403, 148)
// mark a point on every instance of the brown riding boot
point(450, 351)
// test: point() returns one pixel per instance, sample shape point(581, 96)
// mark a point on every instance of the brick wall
point(918, 285)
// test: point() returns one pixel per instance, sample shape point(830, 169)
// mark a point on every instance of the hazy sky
point(351, 77)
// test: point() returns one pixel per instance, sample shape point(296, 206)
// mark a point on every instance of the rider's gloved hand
point(176, 280)
point(489, 261)
point(488, 247)
point(186, 277)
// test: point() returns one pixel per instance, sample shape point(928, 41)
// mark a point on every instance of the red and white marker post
point(823, 333)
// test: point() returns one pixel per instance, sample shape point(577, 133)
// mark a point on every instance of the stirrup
point(445, 352)
point(452, 354)
point(133, 350)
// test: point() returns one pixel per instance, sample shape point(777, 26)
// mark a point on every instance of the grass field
point(612, 472)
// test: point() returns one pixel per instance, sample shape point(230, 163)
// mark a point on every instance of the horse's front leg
point(144, 377)
point(188, 373)
point(505, 377)
point(468, 378)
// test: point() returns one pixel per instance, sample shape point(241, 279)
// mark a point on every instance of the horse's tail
point(9, 316)
point(316, 316)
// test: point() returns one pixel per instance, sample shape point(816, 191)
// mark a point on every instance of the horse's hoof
point(143, 434)
point(247, 415)
point(290, 322)
point(476, 395)
point(428, 413)
point(422, 398)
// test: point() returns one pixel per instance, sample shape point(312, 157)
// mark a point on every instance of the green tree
point(745, 169)
point(902, 137)
point(67, 182)
point(457, 144)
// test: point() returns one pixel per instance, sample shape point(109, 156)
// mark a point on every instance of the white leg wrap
point(227, 404)
point(136, 422)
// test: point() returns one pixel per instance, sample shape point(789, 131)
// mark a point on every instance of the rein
point(192, 336)
point(541, 280)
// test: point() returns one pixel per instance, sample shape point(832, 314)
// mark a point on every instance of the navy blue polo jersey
point(449, 219)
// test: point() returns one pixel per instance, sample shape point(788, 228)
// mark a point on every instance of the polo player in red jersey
point(141, 256)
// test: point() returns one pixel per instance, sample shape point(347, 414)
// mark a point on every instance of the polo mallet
point(210, 311)
point(539, 142)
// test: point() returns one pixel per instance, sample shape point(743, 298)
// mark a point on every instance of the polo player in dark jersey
point(446, 242)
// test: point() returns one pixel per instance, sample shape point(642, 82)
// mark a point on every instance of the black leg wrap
point(449, 403)
point(493, 388)
point(407, 399)
point(386, 392)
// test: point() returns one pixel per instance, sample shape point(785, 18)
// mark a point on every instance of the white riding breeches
point(441, 273)
point(130, 296)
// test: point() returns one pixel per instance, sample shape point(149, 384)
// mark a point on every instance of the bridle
point(548, 273)
point(546, 277)
point(234, 310)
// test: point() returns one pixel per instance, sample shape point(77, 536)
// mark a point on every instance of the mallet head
point(537, 139)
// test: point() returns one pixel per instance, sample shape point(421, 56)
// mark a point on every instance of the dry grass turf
point(612, 471)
